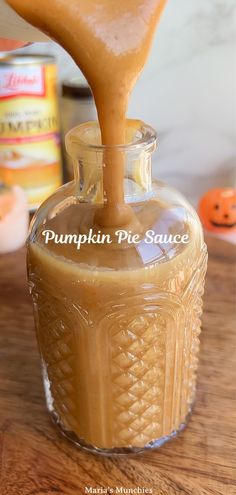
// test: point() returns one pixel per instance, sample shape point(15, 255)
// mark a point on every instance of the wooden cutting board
point(36, 460)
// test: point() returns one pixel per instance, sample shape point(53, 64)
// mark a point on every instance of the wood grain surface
point(36, 460)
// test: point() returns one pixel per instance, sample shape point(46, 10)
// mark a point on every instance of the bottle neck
point(137, 181)
point(90, 160)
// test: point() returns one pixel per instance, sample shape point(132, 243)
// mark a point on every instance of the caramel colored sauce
point(118, 334)
point(110, 42)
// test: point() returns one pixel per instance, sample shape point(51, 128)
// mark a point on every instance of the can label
point(30, 154)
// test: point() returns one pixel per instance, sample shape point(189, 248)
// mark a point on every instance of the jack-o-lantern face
point(217, 210)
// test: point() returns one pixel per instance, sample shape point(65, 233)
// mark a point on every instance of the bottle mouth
point(139, 137)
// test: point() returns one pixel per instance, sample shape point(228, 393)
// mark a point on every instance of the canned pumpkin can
point(30, 152)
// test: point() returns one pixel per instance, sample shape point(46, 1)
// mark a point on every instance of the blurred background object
point(14, 218)
point(77, 106)
point(217, 211)
point(6, 45)
point(30, 153)
point(188, 93)
point(14, 27)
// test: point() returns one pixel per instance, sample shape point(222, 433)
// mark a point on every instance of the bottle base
point(116, 451)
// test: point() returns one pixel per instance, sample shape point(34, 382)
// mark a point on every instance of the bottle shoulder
point(166, 227)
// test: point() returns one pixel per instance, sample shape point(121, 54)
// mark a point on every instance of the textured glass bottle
point(117, 323)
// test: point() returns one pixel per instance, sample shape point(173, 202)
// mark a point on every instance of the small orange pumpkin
point(217, 210)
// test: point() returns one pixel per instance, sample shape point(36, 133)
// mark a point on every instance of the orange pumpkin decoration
point(217, 210)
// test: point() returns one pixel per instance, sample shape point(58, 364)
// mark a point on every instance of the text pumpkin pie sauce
point(118, 336)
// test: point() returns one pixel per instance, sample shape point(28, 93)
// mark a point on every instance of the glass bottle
point(117, 322)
